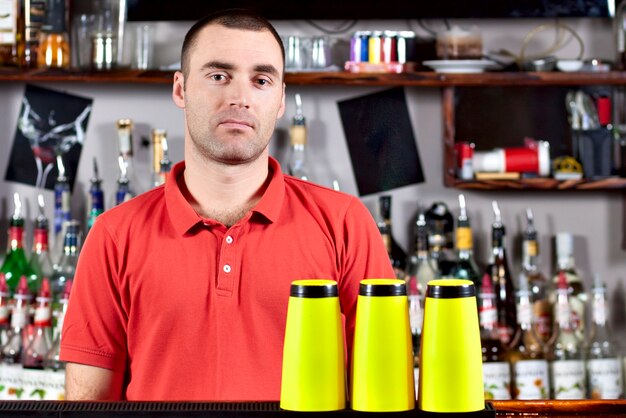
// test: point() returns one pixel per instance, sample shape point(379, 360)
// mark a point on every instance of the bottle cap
point(382, 287)
point(564, 245)
point(314, 289)
point(450, 289)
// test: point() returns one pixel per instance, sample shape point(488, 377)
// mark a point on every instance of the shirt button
point(229, 239)
point(227, 268)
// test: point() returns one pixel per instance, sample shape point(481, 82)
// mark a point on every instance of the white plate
point(459, 66)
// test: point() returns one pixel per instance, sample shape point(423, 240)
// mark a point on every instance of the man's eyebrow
point(266, 68)
point(217, 65)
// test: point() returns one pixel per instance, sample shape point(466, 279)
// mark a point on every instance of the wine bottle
point(39, 345)
point(396, 253)
point(440, 227)
point(297, 164)
point(421, 268)
point(578, 296)
point(95, 201)
point(604, 368)
point(124, 191)
point(62, 199)
point(465, 266)
point(527, 357)
point(67, 265)
point(125, 146)
point(5, 297)
point(15, 263)
point(496, 369)
point(54, 45)
point(539, 285)
point(12, 350)
point(567, 363)
point(40, 260)
point(502, 280)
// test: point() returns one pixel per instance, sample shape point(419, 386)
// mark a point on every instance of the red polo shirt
point(194, 310)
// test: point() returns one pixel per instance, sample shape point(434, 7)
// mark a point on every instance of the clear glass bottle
point(567, 363)
point(40, 259)
point(578, 296)
point(54, 44)
point(95, 201)
point(62, 207)
point(35, 352)
point(416, 321)
point(165, 165)
point(12, 350)
point(297, 165)
point(496, 369)
point(125, 146)
point(124, 191)
point(158, 136)
point(531, 379)
point(440, 228)
point(67, 265)
point(52, 360)
point(465, 266)
point(502, 279)
point(604, 366)
point(397, 256)
point(539, 285)
point(15, 263)
point(421, 268)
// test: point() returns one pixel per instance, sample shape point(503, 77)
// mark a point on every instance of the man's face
point(233, 93)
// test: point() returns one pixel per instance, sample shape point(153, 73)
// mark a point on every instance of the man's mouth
point(237, 123)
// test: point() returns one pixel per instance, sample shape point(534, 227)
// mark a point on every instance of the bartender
point(181, 293)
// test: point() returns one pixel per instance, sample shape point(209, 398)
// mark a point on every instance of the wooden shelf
point(418, 79)
point(611, 183)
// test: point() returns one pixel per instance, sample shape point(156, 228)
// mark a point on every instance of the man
point(181, 293)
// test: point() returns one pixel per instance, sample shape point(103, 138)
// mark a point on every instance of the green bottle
point(15, 263)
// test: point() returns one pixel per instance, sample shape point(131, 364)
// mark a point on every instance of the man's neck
point(224, 192)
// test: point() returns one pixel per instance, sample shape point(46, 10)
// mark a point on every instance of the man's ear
point(178, 90)
point(281, 110)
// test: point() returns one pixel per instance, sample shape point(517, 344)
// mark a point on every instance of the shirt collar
point(184, 217)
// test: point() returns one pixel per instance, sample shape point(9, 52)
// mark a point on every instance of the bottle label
point(578, 316)
point(4, 314)
point(488, 317)
point(524, 313)
point(464, 238)
point(530, 248)
point(605, 378)
point(569, 379)
point(8, 22)
point(599, 311)
point(34, 19)
point(297, 135)
point(16, 237)
point(19, 318)
point(531, 379)
point(497, 380)
point(543, 318)
point(43, 316)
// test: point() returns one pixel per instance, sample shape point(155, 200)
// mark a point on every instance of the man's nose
point(239, 94)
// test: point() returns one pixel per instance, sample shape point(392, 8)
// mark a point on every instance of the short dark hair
point(245, 19)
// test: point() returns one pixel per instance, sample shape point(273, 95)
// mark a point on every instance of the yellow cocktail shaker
point(451, 376)
point(382, 362)
point(314, 371)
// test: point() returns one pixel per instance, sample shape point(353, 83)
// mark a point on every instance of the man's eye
point(262, 82)
point(218, 77)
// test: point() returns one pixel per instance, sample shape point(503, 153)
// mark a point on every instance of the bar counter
point(66, 409)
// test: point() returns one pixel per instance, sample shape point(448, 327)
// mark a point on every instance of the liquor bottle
point(34, 13)
point(604, 368)
point(62, 201)
point(5, 297)
point(500, 274)
point(123, 192)
point(421, 268)
point(40, 260)
point(12, 350)
point(54, 45)
point(396, 253)
point(416, 320)
point(11, 33)
point(35, 352)
point(496, 369)
point(465, 267)
point(440, 227)
point(539, 285)
point(15, 263)
point(69, 259)
point(527, 357)
point(165, 165)
point(578, 297)
point(125, 146)
point(297, 165)
point(95, 201)
point(567, 364)
point(157, 156)
point(52, 360)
